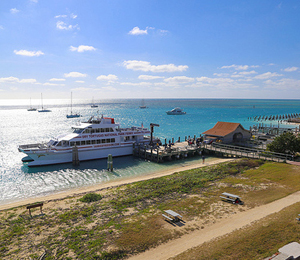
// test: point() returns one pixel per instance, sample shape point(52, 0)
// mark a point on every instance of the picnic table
point(231, 197)
point(172, 215)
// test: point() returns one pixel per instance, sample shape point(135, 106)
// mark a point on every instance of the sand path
point(220, 228)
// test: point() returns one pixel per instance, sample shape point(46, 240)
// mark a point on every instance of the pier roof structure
point(228, 132)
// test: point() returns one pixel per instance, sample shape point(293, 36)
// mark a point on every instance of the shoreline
point(97, 187)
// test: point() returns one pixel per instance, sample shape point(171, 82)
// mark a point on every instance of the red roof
point(223, 129)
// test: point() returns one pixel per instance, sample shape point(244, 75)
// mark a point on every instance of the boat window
point(87, 131)
point(59, 144)
point(77, 143)
point(82, 142)
point(88, 142)
point(113, 140)
point(77, 130)
point(108, 140)
point(103, 141)
point(65, 143)
point(93, 141)
point(106, 129)
point(92, 131)
point(102, 130)
point(72, 143)
point(98, 141)
point(111, 130)
point(97, 130)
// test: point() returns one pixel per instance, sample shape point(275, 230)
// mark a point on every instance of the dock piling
point(75, 157)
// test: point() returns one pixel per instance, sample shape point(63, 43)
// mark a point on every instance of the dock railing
point(248, 152)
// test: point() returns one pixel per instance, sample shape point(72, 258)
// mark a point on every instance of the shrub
point(90, 197)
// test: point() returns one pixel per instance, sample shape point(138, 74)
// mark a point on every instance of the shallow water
point(19, 126)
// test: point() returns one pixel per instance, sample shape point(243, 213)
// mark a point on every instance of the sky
point(150, 49)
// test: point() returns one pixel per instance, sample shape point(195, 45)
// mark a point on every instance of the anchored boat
point(95, 139)
point(176, 111)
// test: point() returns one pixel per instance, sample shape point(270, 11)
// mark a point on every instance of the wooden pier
point(181, 150)
point(225, 150)
point(163, 153)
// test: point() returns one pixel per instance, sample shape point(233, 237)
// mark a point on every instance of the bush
point(90, 197)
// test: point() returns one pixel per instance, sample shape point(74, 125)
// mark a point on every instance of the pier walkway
point(240, 151)
point(181, 150)
point(162, 153)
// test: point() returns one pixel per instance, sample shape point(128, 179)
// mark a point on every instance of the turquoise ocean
point(19, 126)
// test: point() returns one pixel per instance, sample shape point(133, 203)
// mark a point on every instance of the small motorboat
point(176, 111)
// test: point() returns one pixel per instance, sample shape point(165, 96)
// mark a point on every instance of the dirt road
point(218, 229)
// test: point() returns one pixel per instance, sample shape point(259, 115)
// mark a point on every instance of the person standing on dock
point(203, 159)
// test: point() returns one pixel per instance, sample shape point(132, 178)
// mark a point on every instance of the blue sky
point(150, 49)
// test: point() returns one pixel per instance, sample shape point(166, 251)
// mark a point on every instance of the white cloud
point(142, 84)
point(146, 66)
point(64, 26)
point(27, 81)
point(109, 77)
point(17, 80)
point(61, 16)
point(149, 77)
point(9, 80)
point(291, 69)
point(267, 75)
point(283, 84)
point(163, 31)
point(14, 10)
point(56, 79)
point(243, 74)
point(214, 80)
point(28, 53)
point(137, 31)
point(53, 84)
point(179, 80)
point(75, 75)
point(82, 48)
point(73, 16)
point(221, 74)
point(239, 67)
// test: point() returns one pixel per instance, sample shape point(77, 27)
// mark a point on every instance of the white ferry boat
point(176, 111)
point(94, 139)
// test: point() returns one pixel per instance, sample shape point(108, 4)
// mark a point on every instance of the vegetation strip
point(127, 220)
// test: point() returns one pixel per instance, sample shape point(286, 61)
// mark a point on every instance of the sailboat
point(72, 115)
point(94, 105)
point(43, 110)
point(31, 108)
point(143, 104)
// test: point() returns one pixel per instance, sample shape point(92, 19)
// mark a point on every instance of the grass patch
point(258, 241)
point(101, 228)
point(90, 197)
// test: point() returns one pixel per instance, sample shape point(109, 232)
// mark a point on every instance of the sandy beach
point(98, 187)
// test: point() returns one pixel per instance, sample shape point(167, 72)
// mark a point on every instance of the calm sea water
point(19, 126)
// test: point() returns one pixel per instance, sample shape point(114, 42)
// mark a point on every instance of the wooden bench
point(231, 197)
point(35, 206)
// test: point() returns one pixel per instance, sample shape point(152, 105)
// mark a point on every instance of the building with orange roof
point(226, 132)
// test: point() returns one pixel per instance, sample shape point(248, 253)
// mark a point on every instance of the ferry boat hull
point(95, 139)
point(59, 157)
